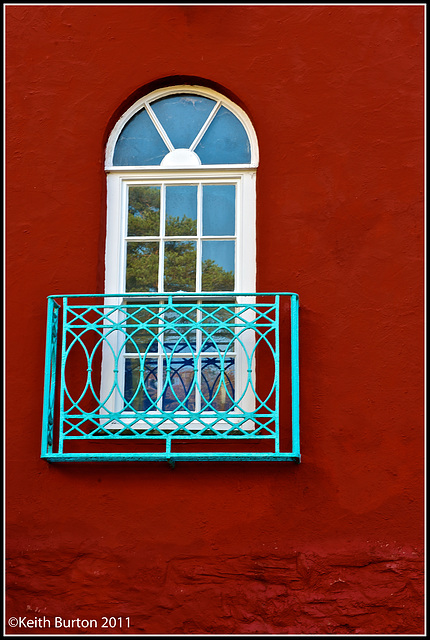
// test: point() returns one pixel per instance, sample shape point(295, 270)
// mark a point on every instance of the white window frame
point(119, 177)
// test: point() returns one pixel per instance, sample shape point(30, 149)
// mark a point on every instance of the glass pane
point(182, 117)
point(181, 210)
point(218, 329)
point(225, 141)
point(142, 266)
point(139, 143)
point(180, 333)
point(217, 385)
point(143, 210)
point(179, 266)
point(140, 387)
point(219, 202)
point(142, 328)
point(180, 391)
point(218, 265)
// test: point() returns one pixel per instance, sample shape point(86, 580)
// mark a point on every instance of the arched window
point(180, 168)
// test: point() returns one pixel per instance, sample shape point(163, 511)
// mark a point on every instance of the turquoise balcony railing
point(179, 376)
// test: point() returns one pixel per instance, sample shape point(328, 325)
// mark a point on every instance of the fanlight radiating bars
point(172, 377)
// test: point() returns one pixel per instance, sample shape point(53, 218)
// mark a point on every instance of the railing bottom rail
point(158, 457)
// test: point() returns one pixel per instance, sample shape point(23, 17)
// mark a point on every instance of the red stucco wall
point(333, 545)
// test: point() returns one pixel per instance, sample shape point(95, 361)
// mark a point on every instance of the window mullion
point(199, 237)
point(198, 398)
point(161, 320)
point(162, 237)
point(160, 381)
point(159, 127)
point(205, 127)
point(124, 232)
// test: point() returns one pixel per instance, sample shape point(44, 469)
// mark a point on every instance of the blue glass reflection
point(218, 329)
point(143, 397)
point(180, 391)
point(182, 117)
point(218, 265)
point(219, 209)
point(139, 143)
point(143, 328)
point(225, 141)
point(179, 266)
point(217, 384)
point(180, 324)
point(181, 210)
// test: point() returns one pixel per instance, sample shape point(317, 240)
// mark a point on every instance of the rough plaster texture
point(333, 544)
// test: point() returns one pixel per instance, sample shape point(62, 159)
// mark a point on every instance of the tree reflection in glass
point(143, 210)
point(181, 210)
point(142, 266)
point(179, 266)
point(218, 265)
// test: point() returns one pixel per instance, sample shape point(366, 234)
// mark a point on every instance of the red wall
point(333, 545)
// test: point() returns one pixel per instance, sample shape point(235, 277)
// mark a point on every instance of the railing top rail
point(175, 294)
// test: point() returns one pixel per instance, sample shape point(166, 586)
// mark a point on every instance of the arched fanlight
point(185, 126)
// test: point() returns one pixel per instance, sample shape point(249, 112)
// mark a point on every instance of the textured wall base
point(372, 592)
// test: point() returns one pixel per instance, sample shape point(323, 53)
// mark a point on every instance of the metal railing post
point(295, 398)
point(50, 373)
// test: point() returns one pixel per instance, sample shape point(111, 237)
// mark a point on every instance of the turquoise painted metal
point(181, 376)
